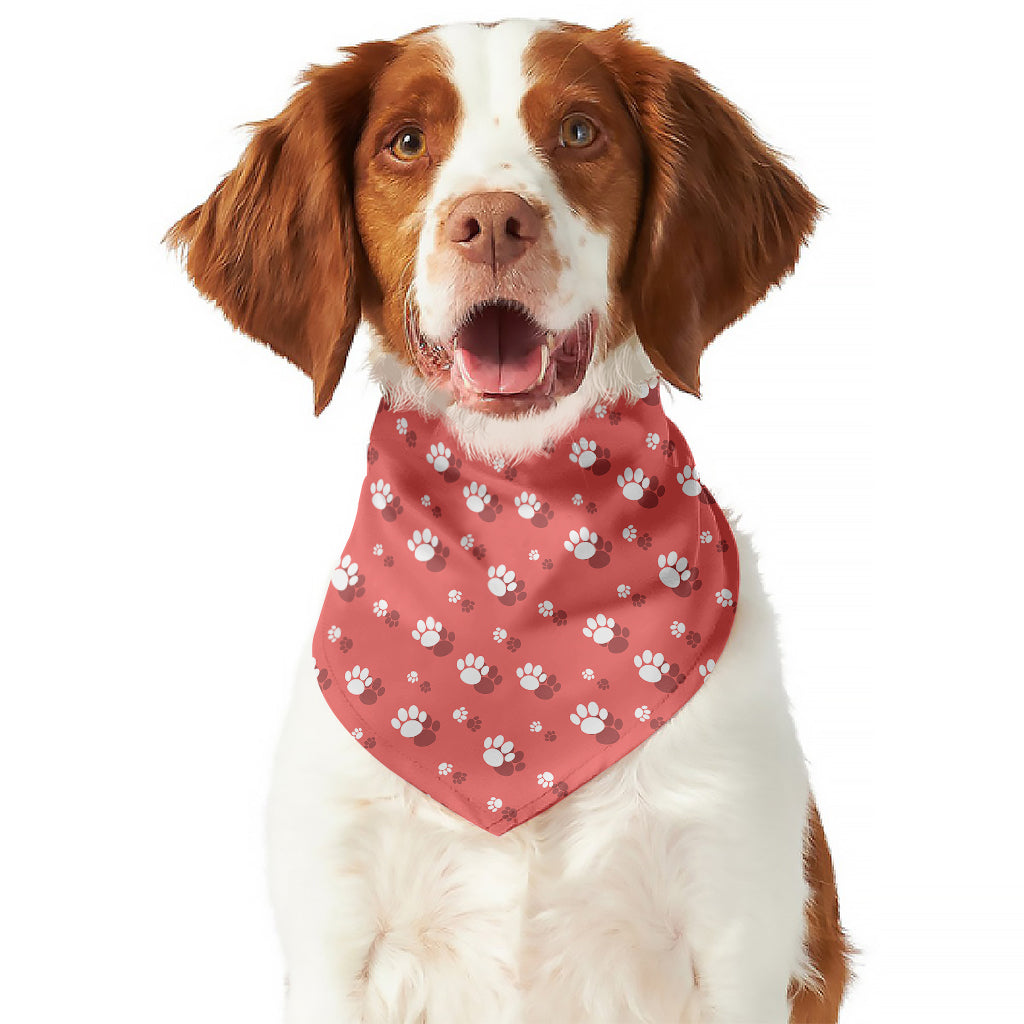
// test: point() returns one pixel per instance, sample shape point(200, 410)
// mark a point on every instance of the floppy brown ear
point(723, 218)
point(275, 245)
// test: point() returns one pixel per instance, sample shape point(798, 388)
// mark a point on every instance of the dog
point(539, 223)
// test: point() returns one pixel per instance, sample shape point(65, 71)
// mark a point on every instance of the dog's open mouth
point(502, 358)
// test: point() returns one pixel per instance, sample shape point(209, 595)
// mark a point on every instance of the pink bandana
point(500, 634)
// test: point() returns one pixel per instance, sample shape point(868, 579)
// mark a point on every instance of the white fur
point(669, 888)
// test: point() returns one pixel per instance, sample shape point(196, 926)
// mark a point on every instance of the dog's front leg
point(390, 907)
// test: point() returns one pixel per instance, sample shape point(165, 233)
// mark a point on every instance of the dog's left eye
point(577, 132)
point(409, 144)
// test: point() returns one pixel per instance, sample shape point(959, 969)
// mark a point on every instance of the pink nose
point(493, 227)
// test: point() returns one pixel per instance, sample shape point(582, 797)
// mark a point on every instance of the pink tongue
point(500, 351)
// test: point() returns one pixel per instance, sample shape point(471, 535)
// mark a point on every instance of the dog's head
point(508, 206)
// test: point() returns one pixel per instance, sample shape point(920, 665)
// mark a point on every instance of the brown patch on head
point(414, 90)
point(603, 182)
point(722, 218)
point(275, 245)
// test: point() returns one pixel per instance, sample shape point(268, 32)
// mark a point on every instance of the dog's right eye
point(408, 145)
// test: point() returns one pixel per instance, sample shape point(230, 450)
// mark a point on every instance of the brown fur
point(828, 948)
point(723, 218)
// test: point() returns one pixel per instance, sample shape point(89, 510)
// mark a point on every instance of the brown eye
point(408, 145)
point(577, 132)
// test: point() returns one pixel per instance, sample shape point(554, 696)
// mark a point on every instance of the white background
point(171, 508)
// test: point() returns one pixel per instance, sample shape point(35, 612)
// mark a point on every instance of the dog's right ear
point(275, 245)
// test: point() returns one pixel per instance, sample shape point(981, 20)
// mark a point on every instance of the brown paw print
point(511, 473)
point(543, 515)
point(610, 733)
point(639, 600)
point(479, 552)
point(389, 560)
point(425, 686)
point(373, 692)
point(445, 645)
point(668, 448)
point(559, 789)
point(517, 764)
point(670, 681)
point(436, 511)
point(490, 679)
point(392, 511)
point(692, 638)
point(429, 734)
point(467, 605)
point(370, 742)
point(547, 564)
point(451, 474)
point(513, 597)
point(459, 778)
point(440, 559)
point(323, 679)
point(603, 684)
point(652, 493)
point(548, 689)
point(508, 813)
point(644, 542)
point(513, 643)
point(620, 641)
point(559, 618)
point(687, 587)
point(473, 724)
point(410, 439)
point(602, 554)
point(550, 736)
point(345, 644)
point(372, 455)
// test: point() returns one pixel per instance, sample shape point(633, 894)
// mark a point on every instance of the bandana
point(498, 634)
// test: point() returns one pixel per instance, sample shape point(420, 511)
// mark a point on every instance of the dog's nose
point(493, 227)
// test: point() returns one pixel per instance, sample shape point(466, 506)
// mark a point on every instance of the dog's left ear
point(723, 218)
point(275, 245)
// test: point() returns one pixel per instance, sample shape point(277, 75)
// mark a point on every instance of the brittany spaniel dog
point(537, 222)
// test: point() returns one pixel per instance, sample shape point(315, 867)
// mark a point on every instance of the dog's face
point(506, 206)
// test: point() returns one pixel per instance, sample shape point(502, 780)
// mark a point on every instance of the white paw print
point(652, 666)
point(534, 555)
point(425, 501)
point(402, 425)
point(600, 411)
point(584, 453)
point(334, 633)
point(498, 750)
point(460, 714)
point(643, 713)
point(378, 549)
point(500, 635)
point(476, 496)
point(629, 533)
point(427, 631)
point(535, 727)
point(439, 457)
point(724, 597)
point(653, 440)
point(672, 569)
point(501, 580)
point(587, 673)
point(546, 609)
point(623, 590)
point(346, 574)
point(380, 495)
point(357, 733)
point(705, 537)
point(445, 768)
point(577, 499)
point(423, 545)
point(690, 481)
point(633, 483)
point(380, 608)
point(454, 596)
point(357, 679)
point(678, 628)
point(649, 385)
point(498, 463)
point(545, 779)
point(527, 505)
point(600, 629)
point(413, 676)
point(409, 723)
point(472, 668)
point(494, 803)
point(531, 676)
point(468, 541)
point(706, 670)
point(582, 543)
point(590, 718)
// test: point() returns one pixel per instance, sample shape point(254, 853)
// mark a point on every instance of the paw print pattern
point(346, 579)
point(633, 483)
point(606, 632)
point(423, 545)
point(432, 635)
point(416, 725)
point(501, 755)
point(589, 455)
point(439, 457)
point(533, 510)
point(478, 500)
point(587, 546)
point(384, 500)
point(531, 676)
point(677, 574)
point(689, 481)
point(502, 583)
point(359, 684)
point(593, 720)
point(472, 668)
point(653, 668)
point(724, 597)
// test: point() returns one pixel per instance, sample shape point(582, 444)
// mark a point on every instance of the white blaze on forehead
point(493, 152)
